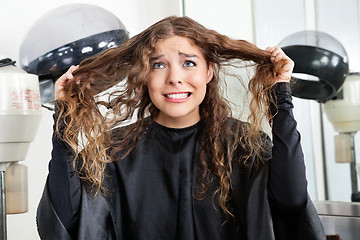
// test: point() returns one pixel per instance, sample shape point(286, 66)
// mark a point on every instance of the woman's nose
point(174, 76)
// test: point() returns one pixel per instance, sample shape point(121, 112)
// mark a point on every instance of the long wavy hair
point(129, 65)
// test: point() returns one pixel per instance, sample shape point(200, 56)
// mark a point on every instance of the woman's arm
point(287, 179)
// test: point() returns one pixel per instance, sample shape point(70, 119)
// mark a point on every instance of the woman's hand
point(59, 84)
point(277, 54)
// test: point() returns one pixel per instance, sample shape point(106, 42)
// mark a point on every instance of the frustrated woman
point(184, 169)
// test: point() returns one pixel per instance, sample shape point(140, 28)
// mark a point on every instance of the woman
point(185, 169)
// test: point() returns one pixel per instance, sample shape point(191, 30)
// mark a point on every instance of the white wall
point(230, 17)
point(18, 16)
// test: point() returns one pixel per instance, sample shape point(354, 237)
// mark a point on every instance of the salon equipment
point(321, 64)
point(65, 36)
point(20, 113)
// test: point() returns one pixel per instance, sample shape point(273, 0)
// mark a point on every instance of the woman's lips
point(177, 97)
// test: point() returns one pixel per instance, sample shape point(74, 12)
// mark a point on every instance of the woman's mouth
point(177, 97)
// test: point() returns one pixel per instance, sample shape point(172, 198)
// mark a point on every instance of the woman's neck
point(176, 122)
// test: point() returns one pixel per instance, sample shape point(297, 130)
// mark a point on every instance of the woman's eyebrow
point(157, 57)
point(180, 53)
point(189, 55)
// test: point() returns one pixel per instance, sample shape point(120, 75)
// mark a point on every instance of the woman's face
point(177, 82)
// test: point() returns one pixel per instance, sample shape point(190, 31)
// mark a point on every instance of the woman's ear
point(210, 72)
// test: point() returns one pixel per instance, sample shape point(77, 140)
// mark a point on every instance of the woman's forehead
point(175, 43)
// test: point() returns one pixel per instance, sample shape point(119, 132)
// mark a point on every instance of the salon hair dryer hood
point(321, 64)
point(65, 36)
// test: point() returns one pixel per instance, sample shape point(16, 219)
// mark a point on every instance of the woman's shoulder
point(119, 131)
point(237, 126)
point(243, 127)
point(232, 121)
point(240, 131)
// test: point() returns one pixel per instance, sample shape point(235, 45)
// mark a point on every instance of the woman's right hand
point(59, 84)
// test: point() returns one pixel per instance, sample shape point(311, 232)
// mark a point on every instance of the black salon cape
point(115, 215)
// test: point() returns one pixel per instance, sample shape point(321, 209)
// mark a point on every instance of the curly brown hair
point(129, 65)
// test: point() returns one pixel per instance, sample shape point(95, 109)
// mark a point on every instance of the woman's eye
point(158, 65)
point(189, 64)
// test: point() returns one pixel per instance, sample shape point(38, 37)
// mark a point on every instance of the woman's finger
point(59, 84)
point(277, 54)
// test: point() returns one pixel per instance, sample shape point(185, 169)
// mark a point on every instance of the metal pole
point(183, 11)
point(355, 196)
point(322, 132)
point(3, 227)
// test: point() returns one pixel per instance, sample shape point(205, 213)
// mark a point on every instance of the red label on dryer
point(26, 99)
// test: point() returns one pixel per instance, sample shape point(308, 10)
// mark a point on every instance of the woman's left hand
point(277, 54)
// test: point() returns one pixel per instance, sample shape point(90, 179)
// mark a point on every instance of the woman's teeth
point(177, 95)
